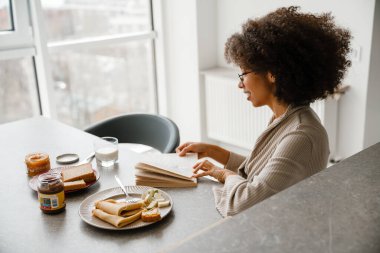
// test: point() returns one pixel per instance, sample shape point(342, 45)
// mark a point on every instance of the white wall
point(207, 33)
point(181, 61)
point(195, 33)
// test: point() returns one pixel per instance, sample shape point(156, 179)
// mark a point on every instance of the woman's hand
point(204, 150)
point(193, 147)
point(210, 169)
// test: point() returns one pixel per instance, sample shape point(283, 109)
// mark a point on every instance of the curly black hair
point(306, 53)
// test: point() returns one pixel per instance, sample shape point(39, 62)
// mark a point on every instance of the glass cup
point(106, 151)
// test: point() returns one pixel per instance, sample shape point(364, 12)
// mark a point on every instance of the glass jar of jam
point(51, 193)
point(37, 163)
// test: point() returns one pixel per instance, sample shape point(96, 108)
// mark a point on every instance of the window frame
point(21, 36)
point(19, 43)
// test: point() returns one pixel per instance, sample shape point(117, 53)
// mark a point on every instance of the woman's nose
point(241, 85)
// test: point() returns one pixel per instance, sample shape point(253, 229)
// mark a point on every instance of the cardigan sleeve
point(287, 166)
point(234, 162)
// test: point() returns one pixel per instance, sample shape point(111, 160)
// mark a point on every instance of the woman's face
point(258, 87)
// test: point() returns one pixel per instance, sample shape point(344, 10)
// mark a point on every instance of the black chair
point(153, 130)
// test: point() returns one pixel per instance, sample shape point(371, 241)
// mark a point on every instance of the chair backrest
point(153, 130)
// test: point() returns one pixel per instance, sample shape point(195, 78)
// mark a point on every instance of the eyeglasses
point(241, 76)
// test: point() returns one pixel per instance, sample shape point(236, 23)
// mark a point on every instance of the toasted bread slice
point(74, 185)
point(84, 172)
point(151, 215)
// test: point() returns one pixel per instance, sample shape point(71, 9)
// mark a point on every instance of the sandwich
point(151, 215)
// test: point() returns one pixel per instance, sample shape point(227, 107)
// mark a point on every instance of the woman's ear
point(271, 77)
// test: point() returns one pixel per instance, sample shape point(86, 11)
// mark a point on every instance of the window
point(77, 19)
point(95, 83)
point(6, 22)
point(18, 87)
point(18, 96)
point(96, 75)
point(95, 59)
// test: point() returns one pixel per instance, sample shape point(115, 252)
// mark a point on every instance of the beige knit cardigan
point(293, 147)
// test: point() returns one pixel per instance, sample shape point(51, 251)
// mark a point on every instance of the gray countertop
point(24, 228)
point(336, 210)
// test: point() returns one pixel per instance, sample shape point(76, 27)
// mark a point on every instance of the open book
point(166, 170)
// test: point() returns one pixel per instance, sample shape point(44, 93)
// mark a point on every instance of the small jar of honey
point(37, 163)
point(51, 193)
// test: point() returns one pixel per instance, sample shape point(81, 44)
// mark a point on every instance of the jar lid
point(67, 158)
point(49, 177)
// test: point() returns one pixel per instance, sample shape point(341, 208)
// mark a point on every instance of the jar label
point(52, 201)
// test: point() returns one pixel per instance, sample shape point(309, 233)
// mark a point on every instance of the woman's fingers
point(198, 166)
point(180, 148)
point(204, 165)
point(192, 147)
point(202, 174)
point(209, 169)
point(184, 148)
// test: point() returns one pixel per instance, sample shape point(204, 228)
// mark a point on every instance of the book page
point(172, 162)
point(155, 179)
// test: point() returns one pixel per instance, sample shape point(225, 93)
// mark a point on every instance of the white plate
point(87, 205)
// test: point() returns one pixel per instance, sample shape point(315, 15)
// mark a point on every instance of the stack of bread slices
point(75, 178)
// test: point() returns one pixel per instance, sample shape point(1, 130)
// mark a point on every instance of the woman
point(288, 59)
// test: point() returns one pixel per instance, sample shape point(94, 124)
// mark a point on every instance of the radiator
point(231, 119)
